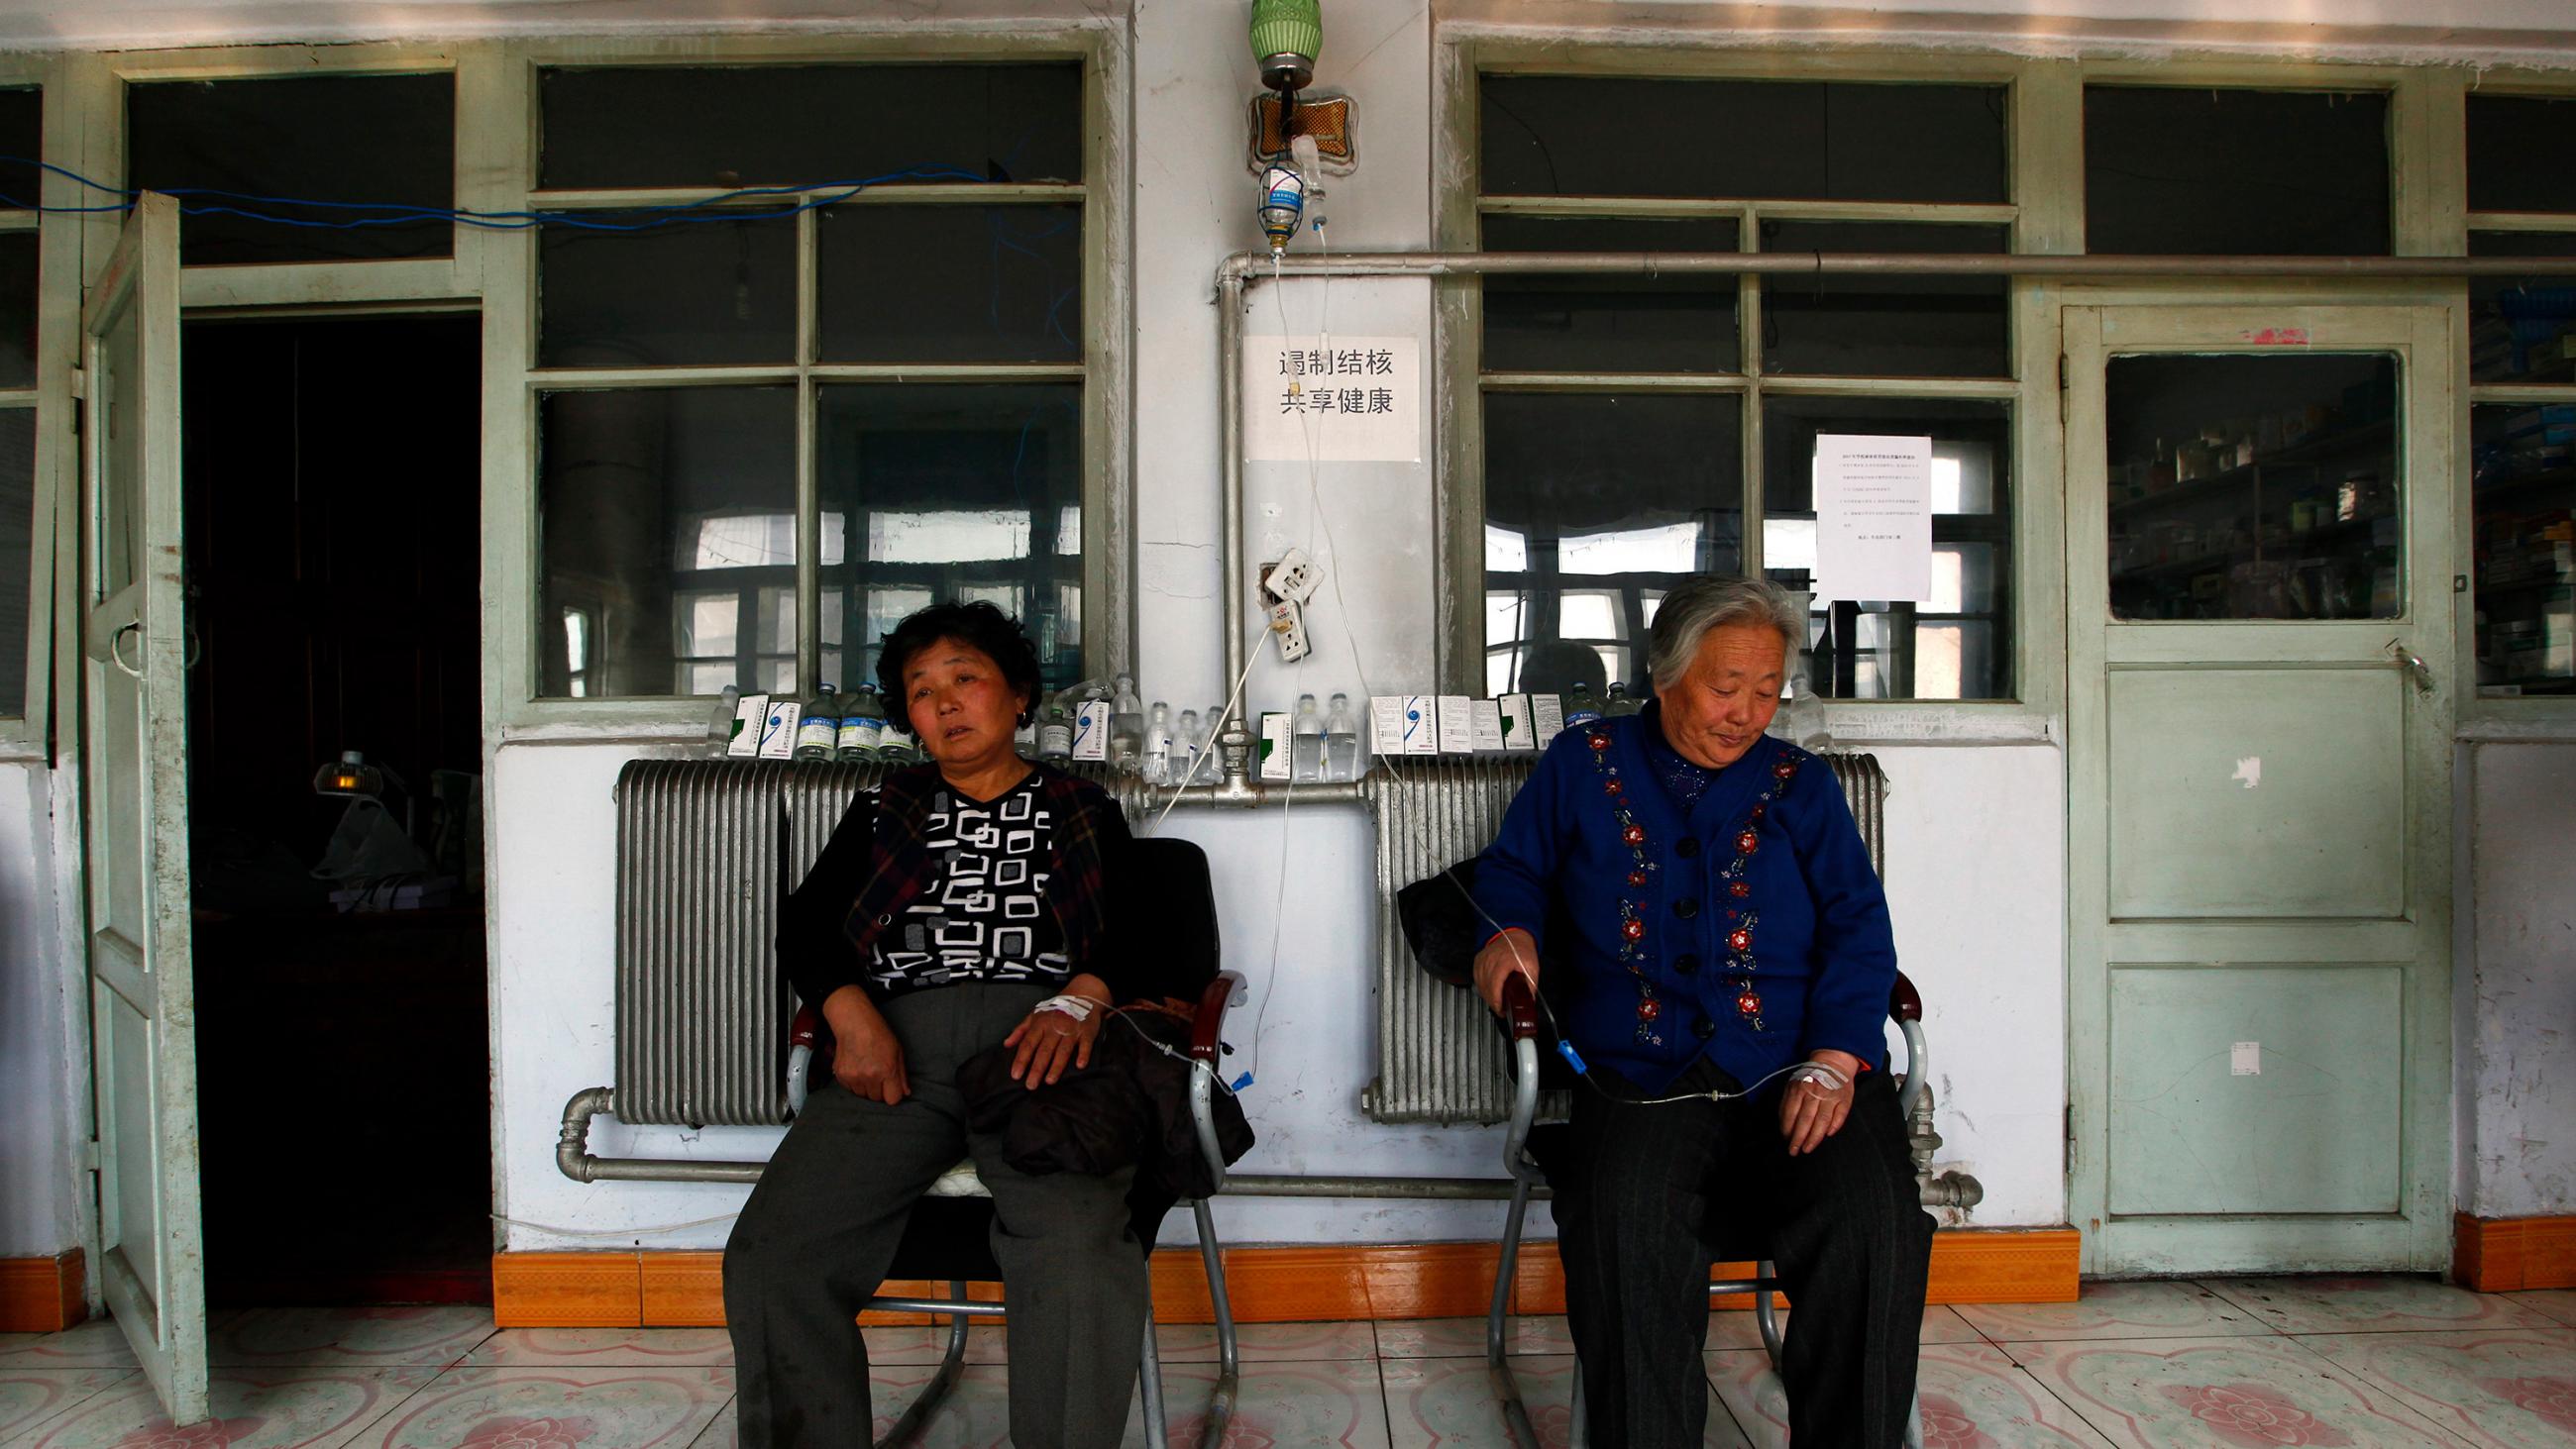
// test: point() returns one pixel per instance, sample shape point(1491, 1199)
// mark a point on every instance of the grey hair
point(1686, 615)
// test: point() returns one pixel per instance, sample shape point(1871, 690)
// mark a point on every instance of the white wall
point(2520, 1054)
point(39, 1087)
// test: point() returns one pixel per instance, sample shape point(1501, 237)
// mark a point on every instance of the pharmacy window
point(838, 407)
point(21, 134)
point(1638, 430)
point(2522, 418)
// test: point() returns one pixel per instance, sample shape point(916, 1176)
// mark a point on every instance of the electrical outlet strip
point(1295, 577)
point(1288, 626)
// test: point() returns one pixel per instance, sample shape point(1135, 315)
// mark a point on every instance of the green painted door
point(2259, 716)
point(134, 784)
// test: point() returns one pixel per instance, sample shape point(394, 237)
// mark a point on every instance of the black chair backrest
point(1162, 917)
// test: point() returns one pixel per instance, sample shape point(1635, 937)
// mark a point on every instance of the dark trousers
point(1642, 1193)
point(820, 1230)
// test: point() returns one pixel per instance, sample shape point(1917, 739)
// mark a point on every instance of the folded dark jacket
point(1130, 1106)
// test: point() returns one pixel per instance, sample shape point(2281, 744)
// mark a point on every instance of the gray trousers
point(820, 1230)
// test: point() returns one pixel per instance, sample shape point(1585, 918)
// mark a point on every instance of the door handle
point(116, 655)
point(2412, 666)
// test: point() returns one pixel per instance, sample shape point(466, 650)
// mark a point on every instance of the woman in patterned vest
point(959, 907)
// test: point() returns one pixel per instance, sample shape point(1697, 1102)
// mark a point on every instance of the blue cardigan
point(1751, 929)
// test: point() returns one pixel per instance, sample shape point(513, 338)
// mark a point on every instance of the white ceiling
point(2457, 26)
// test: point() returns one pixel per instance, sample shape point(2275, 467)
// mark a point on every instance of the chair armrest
point(801, 1034)
point(1207, 1040)
point(802, 1031)
point(1520, 1008)
point(1904, 1002)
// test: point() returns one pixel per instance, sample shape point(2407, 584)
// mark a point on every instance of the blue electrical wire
point(644, 218)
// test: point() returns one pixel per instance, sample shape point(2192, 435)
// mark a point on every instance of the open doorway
point(333, 567)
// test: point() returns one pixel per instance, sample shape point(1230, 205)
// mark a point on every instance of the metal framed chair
point(1520, 1024)
point(1163, 906)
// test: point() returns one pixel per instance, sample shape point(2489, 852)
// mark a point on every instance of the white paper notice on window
point(1873, 518)
point(1333, 399)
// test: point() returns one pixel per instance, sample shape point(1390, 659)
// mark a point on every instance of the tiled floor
point(2240, 1363)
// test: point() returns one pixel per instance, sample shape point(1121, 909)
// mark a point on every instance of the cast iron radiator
point(706, 849)
point(1439, 1058)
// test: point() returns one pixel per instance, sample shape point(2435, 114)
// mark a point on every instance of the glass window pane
point(2522, 330)
point(385, 140)
point(1831, 140)
point(17, 541)
point(2523, 511)
point(652, 501)
point(1951, 646)
point(1609, 324)
point(2249, 487)
point(952, 284)
point(2211, 172)
point(808, 125)
point(18, 309)
point(22, 134)
point(956, 492)
point(709, 292)
point(1627, 493)
point(2522, 153)
point(1885, 326)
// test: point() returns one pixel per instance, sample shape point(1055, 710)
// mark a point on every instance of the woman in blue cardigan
point(1730, 960)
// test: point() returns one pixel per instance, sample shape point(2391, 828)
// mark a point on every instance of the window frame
point(27, 734)
point(513, 382)
point(2035, 222)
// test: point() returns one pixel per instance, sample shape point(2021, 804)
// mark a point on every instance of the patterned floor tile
point(1465, 1337)
point(722, 1432)
point(928, 1344)
point(975, 1415)
point(2384, 1304)
point(436, 1336)
point(556, 1408)
point(29, 1397)
point(1449, 1402)
point(603, 1347)
point(2558, 1303)
point(2221, 1393)
point(260, 1408)
point(1272, 1342)
point(1736, 1328)
point(1972, 1396)
point(2512, 1388)
point(98, 1343)
point(2117, 1310)
point(1314, 1405)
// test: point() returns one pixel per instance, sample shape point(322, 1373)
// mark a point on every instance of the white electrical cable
point(613, 1232)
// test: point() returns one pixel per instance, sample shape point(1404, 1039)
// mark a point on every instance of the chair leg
point(919, 1411)
point(1498, 1368)
point(1765, 1316)
point(1229, 1360)
point(1149, 1386)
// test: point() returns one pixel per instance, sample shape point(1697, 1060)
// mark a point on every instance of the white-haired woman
point(1723, 934)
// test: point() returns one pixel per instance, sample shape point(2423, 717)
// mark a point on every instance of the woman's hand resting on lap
point(1808, 1112)
point(866, 1059)
point(1050, 1041)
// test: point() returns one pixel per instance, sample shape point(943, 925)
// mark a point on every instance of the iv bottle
point(1580, 707)
point(1306, 743)
point(1620, 702)
point(862, 726)
point(1157, 762)
point(1212, 759)
point(721, 721)
point(1055, 737)
point(818, 729)
point(1187, 741)
point(1341, 741)
point(1024, 735)
point(1126, 726)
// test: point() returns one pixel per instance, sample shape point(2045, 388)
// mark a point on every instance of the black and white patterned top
point(985, 916)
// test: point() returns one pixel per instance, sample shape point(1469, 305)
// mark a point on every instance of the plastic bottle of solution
point(1157, 760)
point(721, 722)
point(1212, 759)
point(818, 730)
point(1341, 741)
point(862, 725)
point(1055, 736)
point(1306, 752)
point(1126, 727)
point(1580, 707)
point(1621, 702)
point(1187, 740)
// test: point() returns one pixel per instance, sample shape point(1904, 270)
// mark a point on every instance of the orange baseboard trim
point(43, 1295)
point(2508, 1255)
point(1265, 1285)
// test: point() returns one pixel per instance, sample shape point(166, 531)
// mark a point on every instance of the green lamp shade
point(1287, 27)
